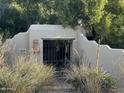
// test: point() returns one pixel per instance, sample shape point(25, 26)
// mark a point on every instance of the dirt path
point(59, 86)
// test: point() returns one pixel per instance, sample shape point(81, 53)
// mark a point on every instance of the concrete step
point(115, 91)
point(59, 86)
point(57, 89)
point(60, 75)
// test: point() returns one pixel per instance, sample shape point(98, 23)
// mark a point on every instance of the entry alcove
point(57, 52)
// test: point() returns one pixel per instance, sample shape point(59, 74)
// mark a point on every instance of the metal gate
point(57, 52)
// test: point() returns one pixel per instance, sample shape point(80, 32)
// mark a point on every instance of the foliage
point(68, 11)
point(104, 17)
point(95, 15)
point(32, 75)
point(26, 75)
point(3, 52)
point(87, 79)
point(20, 14)
point(121, 67)
point(7, 80)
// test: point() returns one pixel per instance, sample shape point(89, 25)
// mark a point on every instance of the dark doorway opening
point(57, 52)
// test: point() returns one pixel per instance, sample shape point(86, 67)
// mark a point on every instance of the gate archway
point(57, 52)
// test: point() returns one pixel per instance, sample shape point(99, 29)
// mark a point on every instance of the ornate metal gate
point(57, 52)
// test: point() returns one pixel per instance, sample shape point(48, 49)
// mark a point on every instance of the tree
point(20, 14)
point(101, 17)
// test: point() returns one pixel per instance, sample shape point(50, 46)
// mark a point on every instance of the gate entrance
point(57, 52)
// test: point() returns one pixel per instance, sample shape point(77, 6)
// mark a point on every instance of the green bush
point(87, 79)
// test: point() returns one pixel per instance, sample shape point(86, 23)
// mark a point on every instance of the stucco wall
point(109, 60)
point(49, 31)
point(19, 43)
point(38, 32)
point(24, 41)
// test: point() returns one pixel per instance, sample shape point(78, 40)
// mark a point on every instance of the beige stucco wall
point(24, 41)
point(109, 60)
point(40, 32)
point(19, 43)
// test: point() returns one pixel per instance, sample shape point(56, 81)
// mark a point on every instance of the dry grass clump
point(121, 67)
point(31, 73)
point(8, 80)
point(4, 49)
point(25, 76)
point(87, 79)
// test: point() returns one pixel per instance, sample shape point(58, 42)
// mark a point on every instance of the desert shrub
point(87, 79)
point(4, 49)
point(32, 72)
point(121, 68)
point(26, 75)
point(8, 80)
